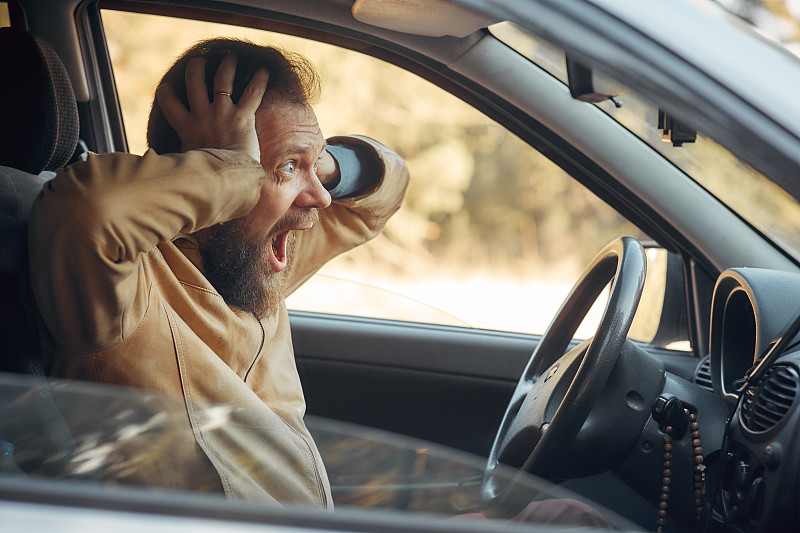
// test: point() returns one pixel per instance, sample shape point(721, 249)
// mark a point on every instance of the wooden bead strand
point(666, 480)
point(699, 465)
point(699, 471)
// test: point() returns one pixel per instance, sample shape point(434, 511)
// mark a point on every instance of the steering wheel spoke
point(558, 388)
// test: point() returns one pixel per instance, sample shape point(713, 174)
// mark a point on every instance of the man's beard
point(239, 270)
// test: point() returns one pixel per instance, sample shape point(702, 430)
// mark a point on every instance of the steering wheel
point(557, 390)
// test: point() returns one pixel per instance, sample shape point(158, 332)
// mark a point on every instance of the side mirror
point(662, 317)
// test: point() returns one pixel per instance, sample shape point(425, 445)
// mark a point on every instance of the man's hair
point(292, 75)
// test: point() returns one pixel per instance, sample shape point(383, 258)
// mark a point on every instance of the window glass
point(491, 235)
point(104, 443)
point(5, 18)
point(746, 191)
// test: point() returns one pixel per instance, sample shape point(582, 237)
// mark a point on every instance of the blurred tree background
point(479, 197)
point(491, 231)
point(488, 223)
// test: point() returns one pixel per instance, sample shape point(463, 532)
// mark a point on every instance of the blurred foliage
point(5, 20)
point(750, 194)
point(479, 197)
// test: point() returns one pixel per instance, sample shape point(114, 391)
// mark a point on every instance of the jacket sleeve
point(93, 223)
point(351, 221)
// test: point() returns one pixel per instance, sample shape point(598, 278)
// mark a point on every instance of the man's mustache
point(295, 220)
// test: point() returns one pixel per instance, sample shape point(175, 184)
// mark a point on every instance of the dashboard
point(757, 489)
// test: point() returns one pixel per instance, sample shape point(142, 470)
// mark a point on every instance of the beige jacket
point(121, 298)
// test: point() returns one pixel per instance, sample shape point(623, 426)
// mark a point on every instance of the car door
point(500, 218)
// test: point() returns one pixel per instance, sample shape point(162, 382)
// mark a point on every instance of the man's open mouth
point(278, 254)
point(280, 241)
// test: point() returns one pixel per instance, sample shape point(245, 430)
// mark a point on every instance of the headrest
point(39, 127)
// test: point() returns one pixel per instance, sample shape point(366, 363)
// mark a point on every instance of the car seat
point(38, 134)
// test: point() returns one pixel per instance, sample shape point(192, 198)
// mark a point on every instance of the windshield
point(749, 193)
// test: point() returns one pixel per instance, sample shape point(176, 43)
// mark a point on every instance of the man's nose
point(313, 194)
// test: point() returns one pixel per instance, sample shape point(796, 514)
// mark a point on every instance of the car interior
point(450, 385)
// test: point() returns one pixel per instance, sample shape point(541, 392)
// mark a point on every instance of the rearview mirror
point(588, 85)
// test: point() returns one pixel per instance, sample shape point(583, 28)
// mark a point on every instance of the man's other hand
point(219, 123)
point(327, 170)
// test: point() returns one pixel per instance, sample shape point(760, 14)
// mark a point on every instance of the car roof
point(692, 58)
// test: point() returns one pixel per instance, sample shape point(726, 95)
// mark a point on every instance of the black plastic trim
point(452, 350)
point(101, 115)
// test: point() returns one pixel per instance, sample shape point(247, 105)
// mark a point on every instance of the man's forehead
point(288, 117)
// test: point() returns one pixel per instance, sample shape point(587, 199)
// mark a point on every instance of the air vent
point(765, 405)
point(702, 375)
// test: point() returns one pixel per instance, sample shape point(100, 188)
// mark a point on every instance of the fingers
point(223, 79)
point(196, 89)
point(171, 106)
point(215, 123)
point(254, 92)
point(327, 169)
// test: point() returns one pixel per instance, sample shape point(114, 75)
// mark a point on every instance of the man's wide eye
point(288, 167)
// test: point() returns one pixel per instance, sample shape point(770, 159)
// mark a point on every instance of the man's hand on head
point(327, 170)
point(219, 123)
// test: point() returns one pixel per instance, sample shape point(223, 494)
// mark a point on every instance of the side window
point(5, 17)
point(491, 235)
